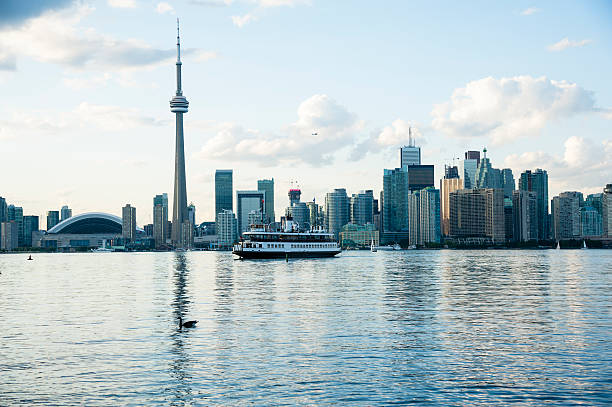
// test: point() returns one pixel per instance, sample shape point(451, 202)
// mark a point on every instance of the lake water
point(428, 327)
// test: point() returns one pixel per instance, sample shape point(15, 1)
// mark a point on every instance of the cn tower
point(179, 105)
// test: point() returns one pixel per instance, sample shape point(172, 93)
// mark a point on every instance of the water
point(430, 327)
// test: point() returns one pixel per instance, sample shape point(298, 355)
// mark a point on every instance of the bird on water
point(187, 324)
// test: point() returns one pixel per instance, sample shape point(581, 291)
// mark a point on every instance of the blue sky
point(85, 119)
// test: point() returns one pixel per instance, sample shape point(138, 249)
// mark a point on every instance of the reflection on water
point(438, 327)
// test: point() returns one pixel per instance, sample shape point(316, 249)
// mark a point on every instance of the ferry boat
point(262, 243)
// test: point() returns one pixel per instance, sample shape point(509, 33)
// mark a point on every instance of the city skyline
point(346, 138)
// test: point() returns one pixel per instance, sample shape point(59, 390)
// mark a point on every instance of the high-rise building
point(191, 211)
point(410, 154)
point(300, 214)
point(30, 224)
point(148, 228)
point(16, 213)
point(395, 200)
point(537, 182)
point(336, 211)
point(3, 210)
point(590, 222)
point(420, 177)
point(447, 185)
point(486, 175)
point(247, 201)
point(178, 106)
point(362, 207)
point(254, 217)
point(414, 218)
point(508, 184)
point(9, 235)
point(524, 216)
point(129, 223)
point(52, 219)
point(595, 201)
point(429, 216)
point(566, 215)
point(467, 172)
point(313, 214)
point(294, 195)
point(473, 155)
point(606, 208)
point(226, 226)
point(224, 188)
point(478, 213)
point(66, 213)
point(160, 220)
point(451, 171)
point(267, 185)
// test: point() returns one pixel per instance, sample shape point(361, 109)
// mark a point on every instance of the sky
point(316, 94)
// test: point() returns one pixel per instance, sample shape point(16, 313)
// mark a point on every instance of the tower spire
point(178, 42)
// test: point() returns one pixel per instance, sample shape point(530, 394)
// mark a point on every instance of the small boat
point(397, 247)
point(30, 258)
point(372, 247)
point(103, 248)
point(558, 246)
point(584, 246)
point(411, 247)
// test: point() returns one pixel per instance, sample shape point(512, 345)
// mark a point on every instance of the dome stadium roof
point(89, 223)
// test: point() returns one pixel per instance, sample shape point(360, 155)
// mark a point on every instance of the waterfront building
point(30, 225)
point(410, 154)
point(606, 208)
point(65, 212)
point(451, 171)
point(429, 216)
point(524, 216)
point(16, 213)
point(359, 236)
point(267, 185)
point(161, 230)
point(362, 207)
point(9, 235)
point(414, 218)
point(148, 228)
point(486, 175)
point(300, 214)
point(565, 210)
point(255, 217)
point(128, 223)
point(53, 218)
point(447, 185)
point(226, 226)
point(537, 181)
point(247, 201)
point(395, 200)
point(294, 195)
point(478, 214)
point(314, 214)
point(595, 201)
point(224, 188)
point(83, 232)
point(508, 183)
point(420, 177)
point(336, 211)
point(179, 106)
point(590, 222)
point(508, 219)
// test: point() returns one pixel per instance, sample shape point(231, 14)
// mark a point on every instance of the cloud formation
point(583, 163)
point(122, 3)
point(529, 11)
point(322, 128)
point(566, 43)
point(390, 137)
point(164, 7)
point(509, 108)
point(240, 21)
point(56, 38)
point(14, 12)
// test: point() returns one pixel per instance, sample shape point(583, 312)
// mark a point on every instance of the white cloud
point(240, 21)
point(79, 83)
point(122, 3)
point(583, 166)
point(164, 7)
point(509, 108)
point(211, 3)
point(529, 11)
point(322, 128)
point(390, 137)
point(55, 37)
point(278, 3)
point(567, 43)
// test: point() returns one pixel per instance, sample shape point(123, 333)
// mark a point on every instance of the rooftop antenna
point(178, 41)
point(410, 141)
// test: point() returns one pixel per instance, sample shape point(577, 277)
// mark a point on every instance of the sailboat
point(584, 246)
point(558, 246)
point(372, 247)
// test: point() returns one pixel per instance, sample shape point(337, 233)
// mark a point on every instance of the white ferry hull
point(255, 254)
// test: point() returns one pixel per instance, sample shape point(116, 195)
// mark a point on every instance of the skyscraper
point(362, 207)
point(566, 215)
point(336, 211)
point(467, 168)
point(247, 201)
point(16, 213)
point(507, 182)
point(3, 210)
point(160, 219)
point(420, 177)
point(410, 154)
point(429, 216)
point(52, 219)
point(478, 213)
point(179, 105)
point(395, 200)
point(267, 185)
point(606, 208)
point(8, 235)
point(224, 188)
point(129, 223)
point(538, 182)
point(66, 212)
point(191, 214)
point(30, 224)
point(447, 185)
point(226, 226)
point(590, 222)
point(524, 216)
